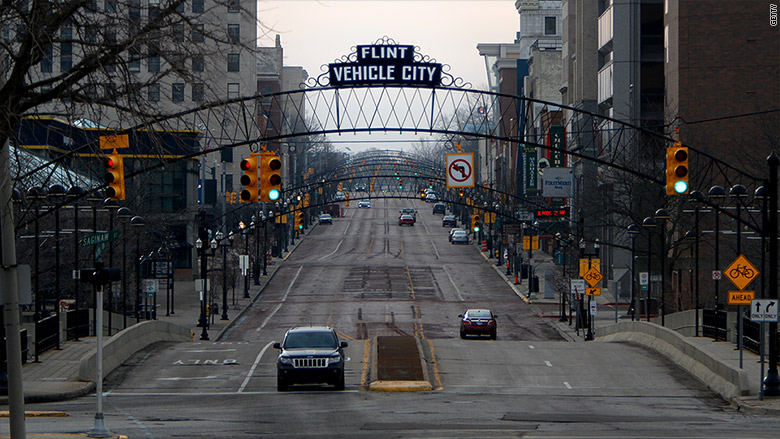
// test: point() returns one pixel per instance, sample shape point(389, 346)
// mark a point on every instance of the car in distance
point(405, 220)
point(340, 196)
point(460, 237)
point(364, 203)
point(410, 211)
point(431, 197)
point(360, 187)
point(478, 322)
point(326, 219)
point(449, 220)
point(439, 208)
point(310, 355)
point(453, 230)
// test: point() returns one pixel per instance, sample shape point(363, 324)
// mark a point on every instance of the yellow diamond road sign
point(741, 272)
point(592, 277)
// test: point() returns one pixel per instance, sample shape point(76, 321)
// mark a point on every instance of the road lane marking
point(452, 281)
point(267, 319)
point(437, 376)
point(530, 346)
point(548, 363)
point(284, 298)
point(200, 351)
point(254, 366)
point(209, 377)
point(435, 250)
point(568, 386)
point(333, 252)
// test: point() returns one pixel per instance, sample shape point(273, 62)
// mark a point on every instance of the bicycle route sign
point(741, 272)
point(593, 277)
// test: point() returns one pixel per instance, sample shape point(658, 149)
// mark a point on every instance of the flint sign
point(385, 64)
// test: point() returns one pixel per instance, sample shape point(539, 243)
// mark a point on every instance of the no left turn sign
point(460, 170)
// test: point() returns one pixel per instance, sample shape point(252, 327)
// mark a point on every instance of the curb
point(400, 386)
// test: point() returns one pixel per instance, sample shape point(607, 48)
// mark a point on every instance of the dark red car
point(406, 220)
point(478, 322)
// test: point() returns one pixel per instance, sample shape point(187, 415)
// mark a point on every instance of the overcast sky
point(316, 32)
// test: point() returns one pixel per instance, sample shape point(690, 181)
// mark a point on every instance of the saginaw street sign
point(385, 64)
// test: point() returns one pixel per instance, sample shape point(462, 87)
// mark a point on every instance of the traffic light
point(299, 220)
point(115, 176)
point(475, 222)
point(270, 177)
point(249, 180)
point(677, 169)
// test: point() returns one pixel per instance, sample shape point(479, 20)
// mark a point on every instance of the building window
point(66, 49)
point(153, 62)
point(234, 33)
point(180, 8)
point(198, 6)
point(197, 63)
point(232, 90)
point(154, 93)
point(234, 6)
point(135, 60)
point(197, 92)
point(549, 25)
point(109, 6)
point(233, 62)
point(47, 62)
point(197, 34)
point(154, 9)
point(134, 11)
point(178, 32)
point(177, 94)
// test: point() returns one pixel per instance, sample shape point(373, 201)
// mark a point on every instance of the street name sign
point(99, 238)
point(763, 310)
point(741, 297)
point(741, 272)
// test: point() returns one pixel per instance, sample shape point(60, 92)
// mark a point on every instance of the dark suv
point(310, 355)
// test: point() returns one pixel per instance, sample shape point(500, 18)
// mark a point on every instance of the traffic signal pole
point(772, 380)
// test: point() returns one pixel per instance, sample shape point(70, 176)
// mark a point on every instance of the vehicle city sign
point(385, 64)
point(99, 238)
point(741, 272)
point(460, 170)
point(763, 310)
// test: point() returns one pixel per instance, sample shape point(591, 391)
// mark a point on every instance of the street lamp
point(124, 213)
point(112, 207)
point(633, 230)
point(717, 192)
point(75, 193)
point(697, 197)
point(202, 322)
point(224, 246)
point(649, 223)
point(662, 215)
point(137, 222)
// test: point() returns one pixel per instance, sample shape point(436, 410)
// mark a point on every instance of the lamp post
point(649, 223)
point(57, 194)
point(256, 272)
point(224, 273)
point(112, 208)
point(697, 197)
point(661, 215)
point(717, 192)
point(124, 213)
point(772, 380)
point(137, 222)
point(95, 199)
point(245, 234)
point(265, 240)
point(633, 230)
point(202, 321)
point(75, 193)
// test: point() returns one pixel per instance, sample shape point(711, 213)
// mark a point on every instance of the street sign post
point(741, 272)
point(99, 238)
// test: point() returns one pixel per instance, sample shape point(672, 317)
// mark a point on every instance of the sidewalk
point(55, 376)
point(723, 352)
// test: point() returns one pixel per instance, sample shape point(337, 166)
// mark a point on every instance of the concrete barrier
point(722, 378)
point(127, 342)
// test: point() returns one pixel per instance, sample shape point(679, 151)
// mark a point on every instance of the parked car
point(449, 220)
point(460, 237)
point(478, 322)
point(410, 211)
point(406, 220)
point(453, 230)
point(310, 355)
point(364, 203)
point(326, 219)
point(439, 208)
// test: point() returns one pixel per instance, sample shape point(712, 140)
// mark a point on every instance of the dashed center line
point(548, 363)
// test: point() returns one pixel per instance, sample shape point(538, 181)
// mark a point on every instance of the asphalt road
point(367, 277)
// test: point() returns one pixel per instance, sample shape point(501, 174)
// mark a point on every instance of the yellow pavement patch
point(36, 414)
point(400, 386)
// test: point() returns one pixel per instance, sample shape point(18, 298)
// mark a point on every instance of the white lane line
point(548, 363)
point(530, 346)
point(210, 377)
point(284, 298)
point(568, 386)
point(436, 250)
point(347, 228)
point(210, 350)
point(254, 366)
point(452, 281)
point(331, 253)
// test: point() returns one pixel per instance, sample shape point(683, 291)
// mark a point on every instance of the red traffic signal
point(249, 180)
point(115, 176)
